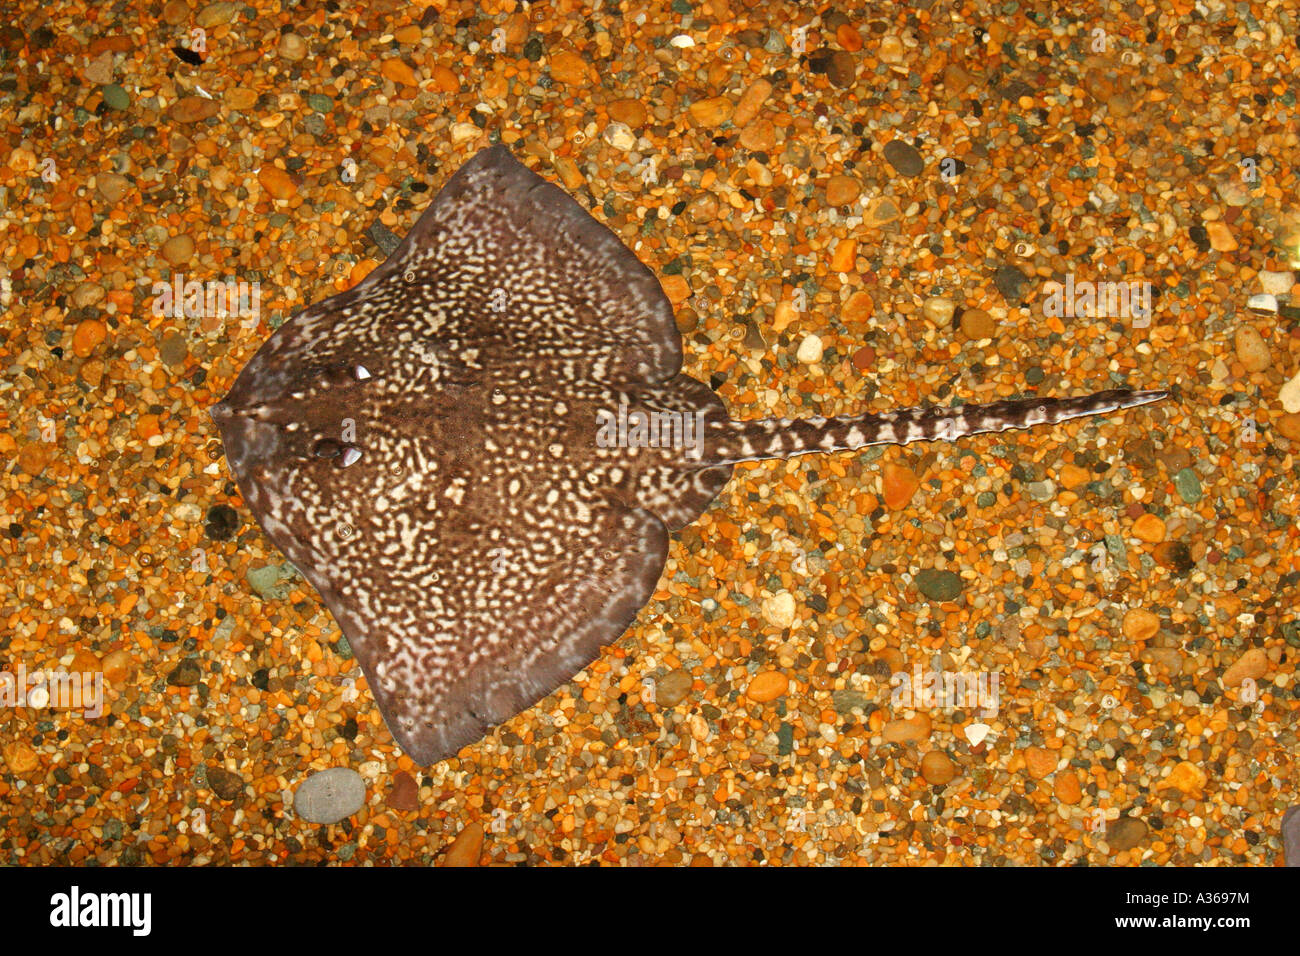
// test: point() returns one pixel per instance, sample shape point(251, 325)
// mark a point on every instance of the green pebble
point(115, 97)
point(939, 585)
point(320, 102)
point(1188, 485)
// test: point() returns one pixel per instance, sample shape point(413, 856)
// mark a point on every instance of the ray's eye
point(327, 448)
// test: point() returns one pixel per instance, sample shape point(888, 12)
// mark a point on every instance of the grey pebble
point(330, 795)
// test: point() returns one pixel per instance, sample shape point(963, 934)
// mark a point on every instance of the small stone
point(1008, 280)
point(859, 308)
point(938, 311)
point(185, 674)
point(848, 37)
point(1125, 833)
point(842, 69)
point(178, 250)
point(1186, 777)
point(1251, 349)
point(1174, 556)
point(629, 112)
point(842, 190)
point(672, 688)
point(712, 112)
point(193, 109)
point(1251, 665)
point(175, 12)
point(1149, 528)
point(292, 46)
point(890, 49)
point(399, 72)
point(1040, 762)
point(240, 98)
point(1233, 192)
point(1289, 395)
point(909, 730)
point(99, 71)
point(466, 849)
point(767, 686)
point(620, 136)
point(405, 792)
point(845, 255)
point(88, 335)
point(880, 212)
point(115, 97)
point(216, 14)
point(1262, 305)
point(975, 733)
point(34, 457)
point(1072, 476)
point(19, 757)
point(112, 186)
point(1276, 283)
point(221, 523)
point(409, 34)
point(1140, 624)
point(898, 484)
point(810, 350)
point(1220, 236)
point(978, 324)
point(1288, 426)
point(864, 358)
point(676, 288)
point(173, 350)
point(276, 182)
point(779, 609)
point(1066, 788)
point(118, 667)
point(937, 768)
point(1188, 486)
point(87, 294)
point(329, 796)
point(464, 132)
point(224, 784)
point(955, 79)
point(751, 101)
point(568, 172)
point(570, 69)
point(272, 582)
point(444, 79)
point(904, 158)
point(939, 585)
point(759, 135)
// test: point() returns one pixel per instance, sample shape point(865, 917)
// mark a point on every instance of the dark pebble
point(222, 523)
point(224, 784)
point(186, 674)
point(904, 158)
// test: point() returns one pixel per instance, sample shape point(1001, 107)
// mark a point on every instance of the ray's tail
point(729, 442)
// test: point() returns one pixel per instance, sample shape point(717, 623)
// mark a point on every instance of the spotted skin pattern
point(424, 449)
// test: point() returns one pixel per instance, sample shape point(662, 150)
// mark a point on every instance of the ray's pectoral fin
point(449, 657)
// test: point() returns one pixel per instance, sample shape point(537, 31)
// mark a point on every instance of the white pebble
point(810, 350)
point(1276, 283)
point(1290, 395)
